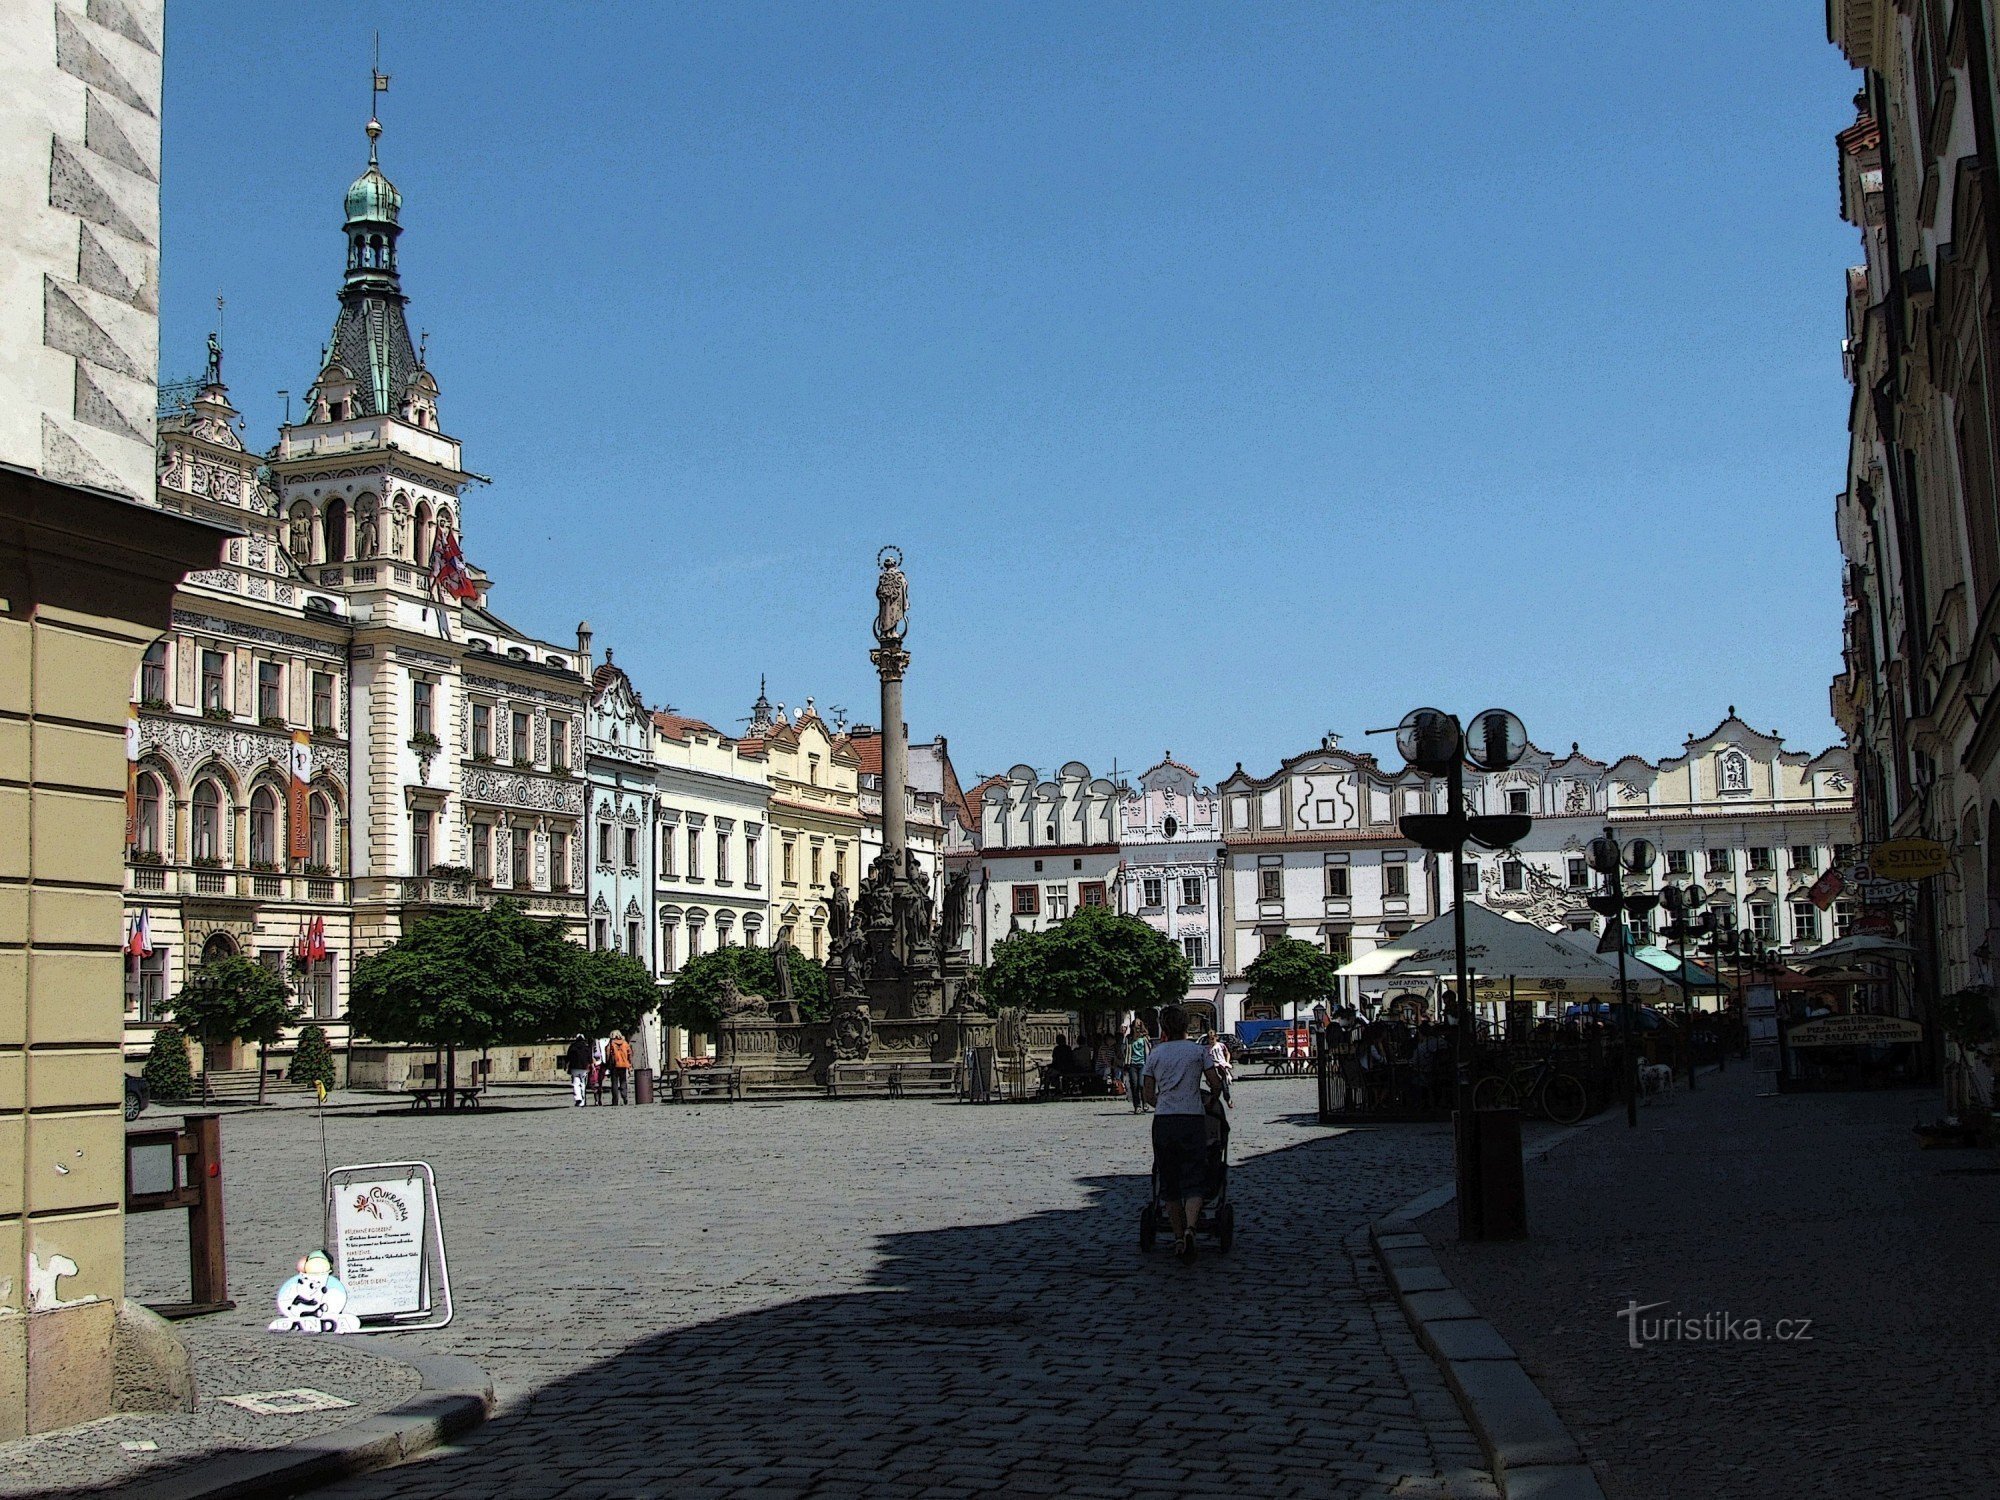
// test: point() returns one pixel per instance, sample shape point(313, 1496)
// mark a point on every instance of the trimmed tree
point(1094, 962)
point(614, 992)
point(1291, 974)
point(694, 1001)
point(312, 1059)
point(234, 999)
point(474, 977)
point(167, 1074)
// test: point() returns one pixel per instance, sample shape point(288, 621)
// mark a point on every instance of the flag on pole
point(449, 577)
point(131, 774)
point(312, 941)
point(139, 935)
point(1826, 889)
point(298, 809)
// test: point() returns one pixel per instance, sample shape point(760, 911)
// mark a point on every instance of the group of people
point(594, 1064)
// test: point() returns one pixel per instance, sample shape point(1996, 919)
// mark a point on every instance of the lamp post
point(1433, 742)
point(1683, 904)
point(1614, 861)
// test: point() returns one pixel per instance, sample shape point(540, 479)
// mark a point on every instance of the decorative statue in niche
point(302, 537)
point(399, 527)
point(364, 532)
point(892, 598)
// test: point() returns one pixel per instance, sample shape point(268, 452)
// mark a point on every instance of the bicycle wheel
point(1564, 1099)
point(1494, 1093)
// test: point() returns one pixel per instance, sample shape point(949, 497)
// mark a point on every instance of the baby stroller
point(1218, 1214)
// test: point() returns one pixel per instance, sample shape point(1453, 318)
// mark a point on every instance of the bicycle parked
point(1539, 1087)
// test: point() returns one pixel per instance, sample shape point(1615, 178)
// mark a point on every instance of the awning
point(1496, 948)
point(1669, 964)
point(1860, 945)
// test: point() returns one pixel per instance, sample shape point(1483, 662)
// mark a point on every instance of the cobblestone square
point(885, 1299)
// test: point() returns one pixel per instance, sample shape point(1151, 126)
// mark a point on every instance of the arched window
point(263, 826)
point(422, 555)
point(320, 820)
point(152, 809)
point(153, 674)
point(207, 822)
point(336, 530)
point(444, 524)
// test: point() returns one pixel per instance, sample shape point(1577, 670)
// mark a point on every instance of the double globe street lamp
point(1433, 742)
point(1614, 861)
point(1682, 904)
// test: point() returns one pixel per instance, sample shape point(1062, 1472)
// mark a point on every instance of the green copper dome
point(373, 198)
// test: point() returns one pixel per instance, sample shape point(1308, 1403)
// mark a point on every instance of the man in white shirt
point(1175, 1070)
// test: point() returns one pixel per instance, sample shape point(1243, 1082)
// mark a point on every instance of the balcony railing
point(224, 881)
point(440, 890)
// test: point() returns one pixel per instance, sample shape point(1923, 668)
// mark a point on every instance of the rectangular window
point(558, 861)
point(1805, 922)
point(631, 849)
point(1719, 862)
point(604, 844)
point(148, 988)
point(1336, 882)
point(322, 702)
point(1517, 802)
point(840, 866)
point(1579, 874)
point(600, 934)
point(1270, 885)
point(1764, 920)
point(214, 682)
point(632, 943)
point(1844, 855)
point(153, 674)
point(669, 948)
point(1396, 880)
point(1468, 878)
point(1340, 947)
point(1760, 859)
point(421, 858)
point(558, 744)
point(519, 872)
point(1678, 862)
point(1192, 945)
point(1512, 876)
point(1027, 900)
point(788, 859)
point(1843, 919)
point(812, 769)
point(1191, 890)
point(316, 989)
point(722, 855)
point(1804, 857)
point(482, 851)
point(522, 749)
point(1642, 929)
point(1090, 893)
point(818, 865)
point(423, 698)
point(1151, 891)
point(750, 839)
point(270, 690)
point(694, 854)
point(1057, 900)
point(482, 732)
point(667, 834)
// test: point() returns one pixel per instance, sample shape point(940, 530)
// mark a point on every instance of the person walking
point(577, 1059)
point(1173, 1074)
point(598, 1048)
point(1136, 1047)
point(618, 1058)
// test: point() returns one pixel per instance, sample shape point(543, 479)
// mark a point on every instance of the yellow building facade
point(816, 825)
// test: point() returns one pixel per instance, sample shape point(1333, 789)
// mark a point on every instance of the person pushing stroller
point(1174, 1072)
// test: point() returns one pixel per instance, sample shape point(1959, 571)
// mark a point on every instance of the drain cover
point(292, 1403)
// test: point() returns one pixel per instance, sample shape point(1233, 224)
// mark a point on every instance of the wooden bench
point(892, 1080)
point(691, 1084)
point(423, 1099)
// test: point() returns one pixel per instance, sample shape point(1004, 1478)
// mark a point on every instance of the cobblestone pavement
point(867, 1298)
point(1792, 1207)
point(227, 1362)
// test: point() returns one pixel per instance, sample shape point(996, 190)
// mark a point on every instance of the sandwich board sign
point(386, 1241)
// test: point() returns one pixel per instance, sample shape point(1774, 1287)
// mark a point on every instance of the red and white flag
point(1824, 890)
point(139, 935)
point(312, 941)
point(449, 578)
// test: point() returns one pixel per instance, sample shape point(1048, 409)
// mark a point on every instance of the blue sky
point(1227, 373)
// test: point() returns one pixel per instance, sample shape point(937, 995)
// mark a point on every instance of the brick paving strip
point(391, 1408)
point(1722, 1214)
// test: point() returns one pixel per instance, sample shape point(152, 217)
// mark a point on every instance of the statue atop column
point(892, 601)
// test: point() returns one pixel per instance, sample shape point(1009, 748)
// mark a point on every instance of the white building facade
point(1170, 872)
point(1047, 848)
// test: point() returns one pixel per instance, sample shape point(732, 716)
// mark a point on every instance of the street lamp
point(1683, 904)
point(1433, 742)
point(1614, 861)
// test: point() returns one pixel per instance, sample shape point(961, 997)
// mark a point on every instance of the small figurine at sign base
point(314, 1301)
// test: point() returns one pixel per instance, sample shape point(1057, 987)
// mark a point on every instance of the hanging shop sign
point(1909, 859)
point(386, 1240)
point(1853, 1031)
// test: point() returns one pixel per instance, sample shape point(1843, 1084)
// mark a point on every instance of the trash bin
point(980, 1076)
point(642, 1085)
point(1503, 1193)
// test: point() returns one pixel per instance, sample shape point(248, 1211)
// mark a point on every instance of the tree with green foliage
point(614, 992)
point(167, 1073)
point(694, 1001)
point(312, 1058)
point(1093, 962)
point(234, 999)
point(1291, 975)
point(471, 977)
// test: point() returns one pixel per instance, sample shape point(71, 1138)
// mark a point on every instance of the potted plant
point(206, 862)
point(424, 742)
point(217, 714)
point(155, 705)
point(146, 857)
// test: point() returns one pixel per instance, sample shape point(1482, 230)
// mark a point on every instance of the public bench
point(709, 1082)
point(423, 1099)
point(1060, 1084)
point(891, 1080)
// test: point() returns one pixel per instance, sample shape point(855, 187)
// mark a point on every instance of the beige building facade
point(816, 825)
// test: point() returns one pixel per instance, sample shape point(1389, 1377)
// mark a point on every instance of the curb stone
point(455, 1397)
point(1530, 1451)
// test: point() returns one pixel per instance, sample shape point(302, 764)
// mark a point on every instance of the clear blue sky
point(1228, 373)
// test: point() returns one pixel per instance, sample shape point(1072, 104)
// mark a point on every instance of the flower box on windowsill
point(274, 721)
point(206, 862)
point(319, 872)
point(145, 857)
point(451, 872)
point(481, 758)
point(156, 705)
point(219, 715)
point(424, 744)
point(265, 866)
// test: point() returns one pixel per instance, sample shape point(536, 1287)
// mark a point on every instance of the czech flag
point(139, 935)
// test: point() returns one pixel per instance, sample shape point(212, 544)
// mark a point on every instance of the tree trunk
point(451, 1078)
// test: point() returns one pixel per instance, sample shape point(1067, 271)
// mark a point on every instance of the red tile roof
point(868, 746)
point(680, 726)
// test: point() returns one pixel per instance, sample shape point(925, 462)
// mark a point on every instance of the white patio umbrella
point(1497, 947)
point(1860, 945)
